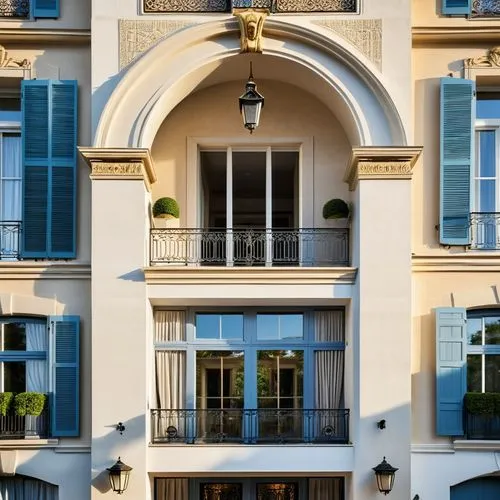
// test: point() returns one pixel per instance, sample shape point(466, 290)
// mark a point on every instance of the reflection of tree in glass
point(474, 369)
point(492, 331)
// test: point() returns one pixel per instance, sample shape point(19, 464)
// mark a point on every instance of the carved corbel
point(251, 23)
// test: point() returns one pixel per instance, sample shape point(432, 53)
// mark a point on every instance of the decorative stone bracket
point(251, 23)
point(120, 164)
point(380, 163)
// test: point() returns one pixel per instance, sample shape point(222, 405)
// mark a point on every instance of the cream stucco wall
point(289, 113)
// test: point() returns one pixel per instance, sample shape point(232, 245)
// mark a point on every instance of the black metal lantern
point(251, 104)
point(385, 474)
point(119, 476)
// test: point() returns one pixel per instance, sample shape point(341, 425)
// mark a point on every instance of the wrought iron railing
point(482, 426)
point(16, 427)
point(251, 247)
point(250, 426)
point(163, 6)
point(19, 9)
point(486, 8)
point(10, 233)
point(485, 230)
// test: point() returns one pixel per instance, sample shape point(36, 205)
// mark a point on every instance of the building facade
point(249, 347)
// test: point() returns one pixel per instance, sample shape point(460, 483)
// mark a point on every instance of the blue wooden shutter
point(451, 369)
point(46, 8)
point(456, 7)
point(65, 375)
point(50, 163)
point(457, 119)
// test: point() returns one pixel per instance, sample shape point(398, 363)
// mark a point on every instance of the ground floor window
point(27, 488)
point(249, 489)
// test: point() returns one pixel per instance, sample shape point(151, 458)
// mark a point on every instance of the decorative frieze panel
point(19, 9)
point(164, 6)
point(486, 8)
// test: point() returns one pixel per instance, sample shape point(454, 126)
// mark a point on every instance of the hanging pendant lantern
point(251, 104)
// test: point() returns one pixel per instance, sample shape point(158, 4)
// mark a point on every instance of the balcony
point(262, 426)
point(251, 247)
point(485, 8)
point(17, 427)
point(484, 230)
point(10, 232)
point(164, 6)
point(15, 9)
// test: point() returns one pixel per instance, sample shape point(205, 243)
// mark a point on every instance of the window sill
point(30, 444)
point(476, 444)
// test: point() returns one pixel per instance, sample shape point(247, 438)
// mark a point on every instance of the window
point(23, 9)
point(29, 362)
point(10, 178)
point(257, 375)
point(473, 8)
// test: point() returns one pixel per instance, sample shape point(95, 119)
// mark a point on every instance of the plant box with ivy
point(482, 415)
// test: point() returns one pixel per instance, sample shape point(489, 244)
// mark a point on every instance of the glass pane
point(219, 379)
point(486, 202)
point(474, 370)
point(221, 491)
point(474, 331)
point(11, 155)
point(278, 491)
point(232, 326)
point(14, 337)
point(492, 374)
point(492, 330)
point(213, 195)
point(285, 201)
point(487, 108)
point(487, 153)
point(14, 376)
point(219, 326)
point(280, 326)
point(11, 200)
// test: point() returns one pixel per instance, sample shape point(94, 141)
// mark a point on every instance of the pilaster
point(381, 181)
point(121, 319)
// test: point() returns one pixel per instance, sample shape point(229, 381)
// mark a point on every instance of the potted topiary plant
point(166, 208)
point(30, 405)
point(336, 209)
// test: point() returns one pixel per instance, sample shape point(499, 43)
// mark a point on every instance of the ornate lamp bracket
point(251, 23)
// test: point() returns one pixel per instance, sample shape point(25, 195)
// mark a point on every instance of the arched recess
point(481, 488)
point(345, 81)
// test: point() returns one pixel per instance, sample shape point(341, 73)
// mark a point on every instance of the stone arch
point(345, 81)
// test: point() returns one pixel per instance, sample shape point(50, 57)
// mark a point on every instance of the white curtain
point(171, 489)
point(326, 489)
point(170, 326)
point(20, 488)
point(36, 370)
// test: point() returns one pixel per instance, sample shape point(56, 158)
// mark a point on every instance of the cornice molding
point(120, 164)
point(444, 35)
point(43, 270)
point(380, 163)
point(458, 263)
point(239, 275)
point(17, 35)
point(476, 445)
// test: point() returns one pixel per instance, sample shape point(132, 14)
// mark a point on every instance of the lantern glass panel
point(385, 482)
point(251, 114)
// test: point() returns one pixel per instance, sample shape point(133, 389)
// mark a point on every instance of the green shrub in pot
point(166, 208)
point(29, 403)
point(5, 402)
point(336, 209)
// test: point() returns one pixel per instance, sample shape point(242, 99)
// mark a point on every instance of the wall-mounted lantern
point(118, 476)
point(385, 474)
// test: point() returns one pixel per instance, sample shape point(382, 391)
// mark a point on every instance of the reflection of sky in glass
point(487, 153)
point(488, 108)
point(219, 326)
point(279, 326)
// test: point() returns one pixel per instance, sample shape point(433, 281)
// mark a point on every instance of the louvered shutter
point(457, 152)
point(65, 375)
point(451, 370)
point(46, 8)
point(49, 132)
point(456, 7)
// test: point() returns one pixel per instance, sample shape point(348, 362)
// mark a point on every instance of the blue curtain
point(21, 488)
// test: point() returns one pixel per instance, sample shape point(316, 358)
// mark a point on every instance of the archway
point(482, 488)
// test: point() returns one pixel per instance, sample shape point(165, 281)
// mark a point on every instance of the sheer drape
point(326, 489)
point(171, 489)
point(329, 326)
point(36, 370)
point(20, 488)
point(170, 326)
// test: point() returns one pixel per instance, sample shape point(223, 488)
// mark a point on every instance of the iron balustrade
point(485, 233)
point(251, 247)
point(10, 234)
point(485, 8)
point(482, 426)
point(17, 427)
point(247, 426)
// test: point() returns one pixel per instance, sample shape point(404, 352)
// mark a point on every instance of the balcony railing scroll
point(485, 8)
point(10, 234)
point(485, 230)
point(17, 9)
point(247, 426)
point(251, 247)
